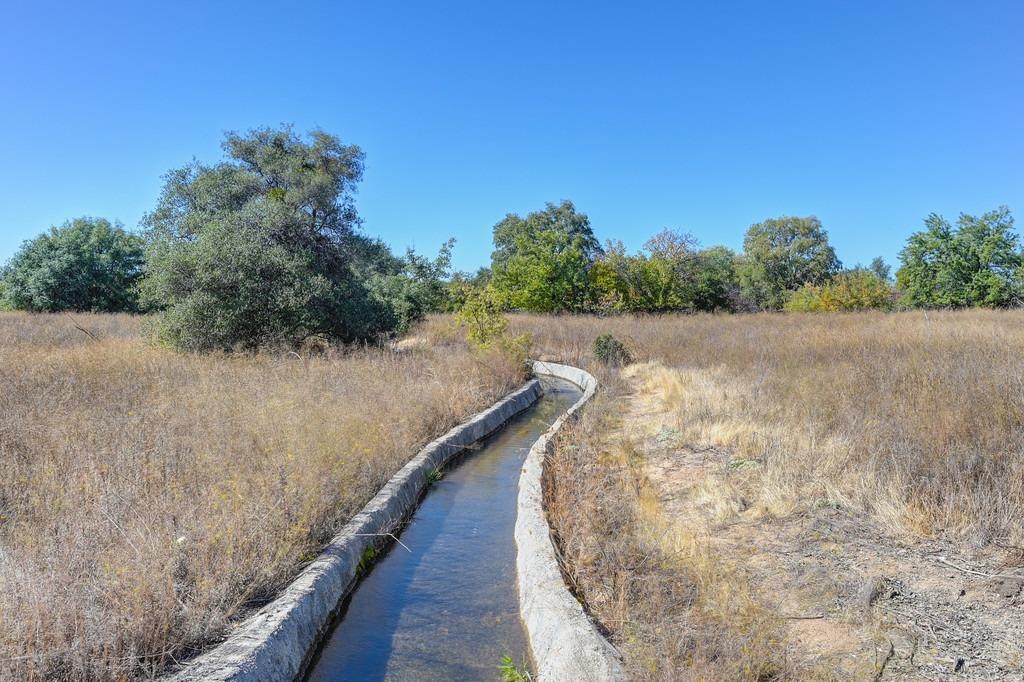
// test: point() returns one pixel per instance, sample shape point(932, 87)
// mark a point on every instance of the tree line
point(265, 248)
point(550, 261)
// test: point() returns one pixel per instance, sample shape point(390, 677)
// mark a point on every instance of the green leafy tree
point(856, 289)
point(461, 286)
point(86, 264)
point(610, 277)
point(977, 263)
point(881, 269)
point(661, 278)
point(669, 274)
point(717, 281)
point(542, 263)
point(262, 249)
point(783, 254)
point(411, 286)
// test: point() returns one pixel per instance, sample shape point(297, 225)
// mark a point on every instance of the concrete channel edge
point(565, 643)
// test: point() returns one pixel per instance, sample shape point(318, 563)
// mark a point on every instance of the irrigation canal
point(446, 608)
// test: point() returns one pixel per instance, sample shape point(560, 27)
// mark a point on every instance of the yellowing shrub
point(851, 290)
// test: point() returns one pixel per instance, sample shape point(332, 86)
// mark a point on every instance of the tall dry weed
point(675, 609)
point(147, 498)
point(915, 418)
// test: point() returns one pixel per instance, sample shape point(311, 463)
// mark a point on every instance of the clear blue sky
point(700, 116)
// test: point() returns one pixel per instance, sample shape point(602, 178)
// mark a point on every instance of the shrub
point(481, 315)
point(487, 331)
point(86, 264)
point(610, 351)
point(851, 290)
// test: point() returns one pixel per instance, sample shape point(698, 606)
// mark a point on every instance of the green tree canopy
point(262, 248)
point(881, 269)
point(783, 254)
point(661, 278)
point(542, 263)
point(977, 263)
point(462, 286)
point(86, 264)
point(413, 285)
point(668, 274)
point(717, 282)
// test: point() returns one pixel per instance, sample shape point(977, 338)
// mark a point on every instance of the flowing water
point(447, 608)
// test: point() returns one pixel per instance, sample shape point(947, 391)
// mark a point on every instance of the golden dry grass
point(912, 420)
point(148, 497)
point(674, 608)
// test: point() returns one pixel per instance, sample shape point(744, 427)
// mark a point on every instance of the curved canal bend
point(447, 607)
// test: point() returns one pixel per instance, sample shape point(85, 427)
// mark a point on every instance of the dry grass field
point(808, 496)
point(147, 498)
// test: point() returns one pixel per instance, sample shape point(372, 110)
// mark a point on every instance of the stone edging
point(277, 642)
point(565, 643)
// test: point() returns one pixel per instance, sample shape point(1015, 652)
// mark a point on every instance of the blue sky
point(704, 117)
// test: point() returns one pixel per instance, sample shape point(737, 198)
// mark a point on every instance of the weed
point(366, 560)
point(510, 672)
point(668, 435)
point(675, 610)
